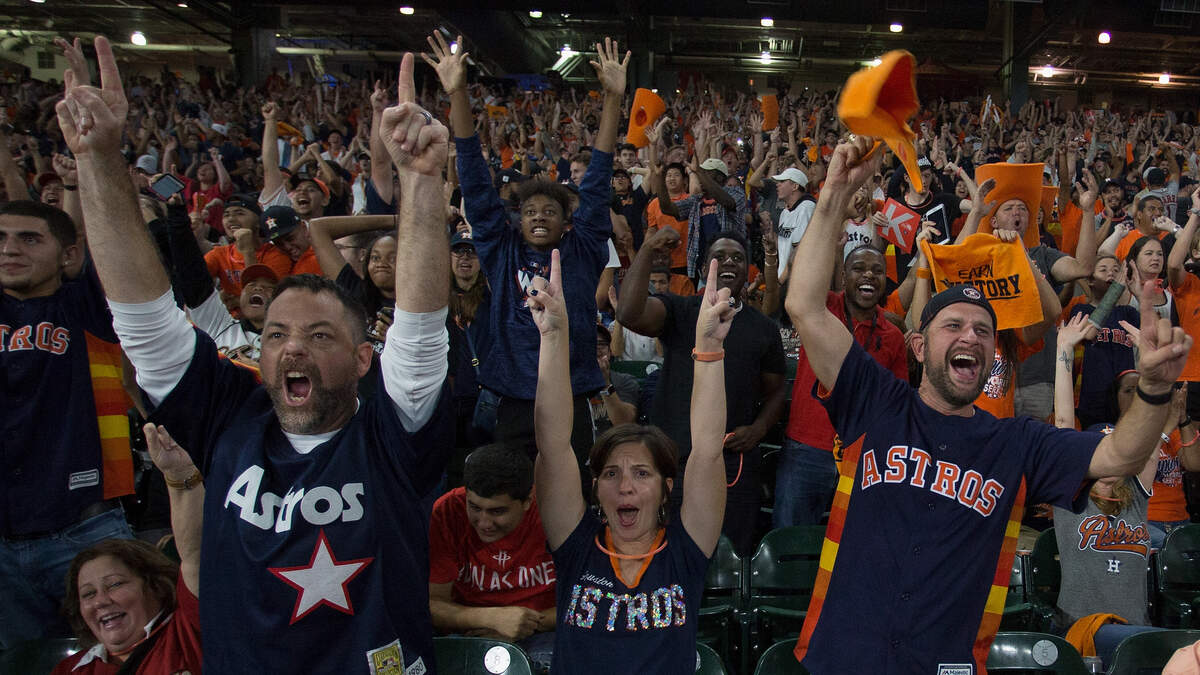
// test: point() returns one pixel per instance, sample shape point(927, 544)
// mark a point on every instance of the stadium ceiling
point(827, 39)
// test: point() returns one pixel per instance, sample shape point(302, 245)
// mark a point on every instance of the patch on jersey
point(387, 660)
point(955, 669)
point(82, 479)
point(416, 668)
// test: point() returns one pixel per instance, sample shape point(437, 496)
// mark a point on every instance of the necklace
point(623, 556)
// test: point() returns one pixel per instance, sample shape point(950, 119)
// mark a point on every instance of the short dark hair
point(583, 157)
point(317, 285)
point(677, 166)
point(158, 572)
point(622, 147)
point(57, 221)
point(546, 188)
point(663, 451)
point(661, 270)
point(500, 468)
point(729, 234)
point(1142, 202)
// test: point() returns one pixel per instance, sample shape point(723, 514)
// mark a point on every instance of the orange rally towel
point(1082, 634)
point(997, 269)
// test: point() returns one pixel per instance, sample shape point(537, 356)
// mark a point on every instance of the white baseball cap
point(793, 174)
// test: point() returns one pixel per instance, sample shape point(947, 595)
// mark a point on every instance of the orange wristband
point(924, 273)
point(707, 356)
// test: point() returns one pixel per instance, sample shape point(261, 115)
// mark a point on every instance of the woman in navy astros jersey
point(629, 577)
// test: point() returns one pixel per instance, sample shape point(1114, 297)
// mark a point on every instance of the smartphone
point(166, 186)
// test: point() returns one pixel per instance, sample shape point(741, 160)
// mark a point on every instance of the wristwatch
point(608, 391)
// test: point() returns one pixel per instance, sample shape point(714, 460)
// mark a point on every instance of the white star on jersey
point(322, 581)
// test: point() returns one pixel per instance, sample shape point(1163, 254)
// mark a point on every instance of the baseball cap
point(603, 334)
point(793, 174)
point(954, 295)
point(620, 171)
point(508, 176)
point(1154, 175)
point(923, 162)
point(295, 181)
point(248, 202)
point(220, 129)
point(147, 164)
point(462, 239)
point(255, 272)
point(279, 220)
point(45, 179)
point(714, 164)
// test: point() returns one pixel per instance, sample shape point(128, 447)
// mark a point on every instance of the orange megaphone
point(1014, 181)
point(647, 108)
point(770, 111)
point(878, 101)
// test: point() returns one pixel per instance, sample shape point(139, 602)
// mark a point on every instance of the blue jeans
point(1159, 529)
point(805, 480)
point(540, 648)
point(33, 576)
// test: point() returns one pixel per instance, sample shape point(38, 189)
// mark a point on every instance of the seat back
point(458, 655)
point(723, 583)
point(36, 657)
point(638, 369)
point(1034, 653)
point(707, 661)
point(1179, 560)
point(784, 568)
point(1044, 570)
point(1147, 653)
point(780, 659)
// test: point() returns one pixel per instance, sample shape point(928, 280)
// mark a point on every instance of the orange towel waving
point(770, 111)
point(878, 102)
point(999, 270)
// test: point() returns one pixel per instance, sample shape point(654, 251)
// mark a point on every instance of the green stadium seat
point(1029, 653)
point(457, 655)
point(780, 659)
point(783, 572)
point(1147, 653)
point(1178, 571)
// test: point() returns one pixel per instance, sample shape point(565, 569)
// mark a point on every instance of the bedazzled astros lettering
point(662, 608)
point(949, 480)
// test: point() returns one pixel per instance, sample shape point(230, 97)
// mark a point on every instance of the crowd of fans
point(495, 254)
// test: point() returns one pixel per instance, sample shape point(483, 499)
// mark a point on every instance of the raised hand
point(546, 302)
point(1075, 331)
point(664, 239)
point(173, 461)
point(74, 55)
point(1163, 348)
point(610, 70)
point(451, 67)
point(93, 119)
point(1089, 190)
point(378, 98)
point(416, 142)
point(716, 314)
point(852, 164)
point(979, 194)
point(65, 168)
point(270, 111)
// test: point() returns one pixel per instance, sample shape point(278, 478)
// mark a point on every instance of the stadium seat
point(458, 655)
point(638, 369)
point(723, 598)
point(1045, 578)
point(36, 657)
point(1179, 579)
point(1147, 653)
point(780, 659)
point(783, 572)
point(708, 662)
point(1028, 653)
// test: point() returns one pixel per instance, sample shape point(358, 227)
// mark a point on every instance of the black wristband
point(1154, 399)
point(70, 187)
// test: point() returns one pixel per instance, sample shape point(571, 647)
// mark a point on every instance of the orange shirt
point(226, 264)
point(1130, 239)
point(1168, 502)
point(307, 264)
point(681, 285)
point(655, 218)
point(1187, 305)
point(997, 396)
point(1070, 219)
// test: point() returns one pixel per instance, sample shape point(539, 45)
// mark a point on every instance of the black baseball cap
point(620, 172)
point(508, 176)
point(279, 220)
point(954, 295)
point(248, 202)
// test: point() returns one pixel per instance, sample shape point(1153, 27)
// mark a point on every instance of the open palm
point(610, 69)
point(451, 66)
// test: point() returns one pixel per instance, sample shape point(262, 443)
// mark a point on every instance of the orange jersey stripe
point(994, 610)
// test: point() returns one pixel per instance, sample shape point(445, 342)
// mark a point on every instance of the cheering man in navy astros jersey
point(315, 548)
point(930, 483)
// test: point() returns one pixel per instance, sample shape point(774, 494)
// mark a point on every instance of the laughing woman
point(629, 576)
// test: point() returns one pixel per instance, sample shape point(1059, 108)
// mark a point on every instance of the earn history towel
point(999, 270)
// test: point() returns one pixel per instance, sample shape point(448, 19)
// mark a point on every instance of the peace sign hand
point(93, 119)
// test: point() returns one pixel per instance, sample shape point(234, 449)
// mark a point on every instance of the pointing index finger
point(405, 87)
point(110, 77)
point(555, 270)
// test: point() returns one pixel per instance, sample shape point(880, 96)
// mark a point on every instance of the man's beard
point(939, 377)
point(324, 405)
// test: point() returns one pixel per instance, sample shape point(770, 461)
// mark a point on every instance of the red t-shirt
point(515, 570)
point(214, 192)
point(177, 649)
point(226, 264)
point(808, 423)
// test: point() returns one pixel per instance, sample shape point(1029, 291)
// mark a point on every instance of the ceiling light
point(138, 38)
point(38, 1)
point(567, 51)
point(767, 22)
point(1104, 38)
point(181, 5)
point(535, 13)
point(896, 27)
point(765, 58)
point(1047, 70)
point(1165, 78)
point(406, 11)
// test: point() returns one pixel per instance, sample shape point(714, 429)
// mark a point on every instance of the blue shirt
point(509, 364)
point(605, 626)
point(930, 500)
point(314, 563)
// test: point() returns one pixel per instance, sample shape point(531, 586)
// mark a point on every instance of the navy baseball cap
point(508, 176)
point(461, 239)
point(279, 220)
point(248, 202)
point(954, 295)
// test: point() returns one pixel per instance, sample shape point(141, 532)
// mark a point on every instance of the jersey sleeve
point(862, 394)
point(1056, 463)
point(443, 560)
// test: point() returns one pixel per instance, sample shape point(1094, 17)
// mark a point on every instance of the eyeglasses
point(463, 253)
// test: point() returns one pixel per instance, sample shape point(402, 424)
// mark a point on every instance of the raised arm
point(637, 310)
point(381, 162)
point(185, 489)
point(326, 230)
point(1163, 351)
point(1183, 244)
point(451, 68)
point(272, 176)
point(825, 338)
point(556, 473)
point(611, 72)
point(703, 506)
point(1069, 334)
